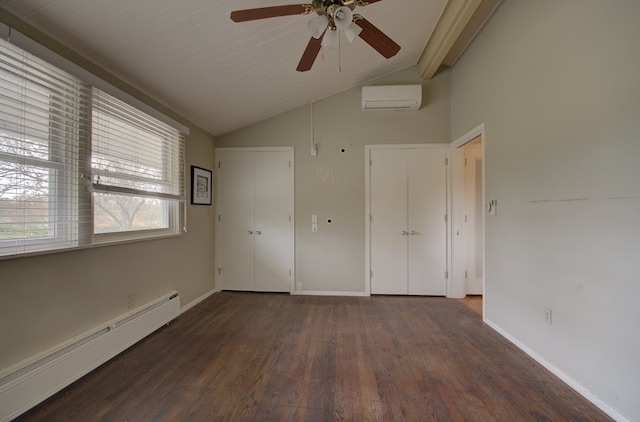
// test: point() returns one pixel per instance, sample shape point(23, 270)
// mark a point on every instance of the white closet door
point(388, 182)
point(236, 210)
point(427, 207)
point(273, 226)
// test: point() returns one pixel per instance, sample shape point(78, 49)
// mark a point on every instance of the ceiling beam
point(460, 22)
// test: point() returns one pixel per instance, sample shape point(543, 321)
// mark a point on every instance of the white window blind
point(40, 154)
point(137, 165)
point(78, 166)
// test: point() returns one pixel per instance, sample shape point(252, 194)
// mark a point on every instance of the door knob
point(404, 233)
point(413, 233)
point(250, 231)
point(258, 232)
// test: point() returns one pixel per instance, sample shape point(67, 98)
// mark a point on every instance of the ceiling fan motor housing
point(328, 7)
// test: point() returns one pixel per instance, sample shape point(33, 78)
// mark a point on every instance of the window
point(39, 153)
point(137, 168)
point(78, 166)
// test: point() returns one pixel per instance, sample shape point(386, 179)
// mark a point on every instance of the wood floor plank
point(274, 357)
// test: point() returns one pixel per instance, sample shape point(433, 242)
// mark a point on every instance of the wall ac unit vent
point(392, 98)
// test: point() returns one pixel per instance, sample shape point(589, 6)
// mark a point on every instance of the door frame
point(458, 211)
point(367, 208)
point(291, 206)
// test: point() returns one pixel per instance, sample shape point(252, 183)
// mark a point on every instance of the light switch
point(314, 219)
point(314, 228)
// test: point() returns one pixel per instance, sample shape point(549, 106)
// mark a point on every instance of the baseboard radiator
point(31, 382)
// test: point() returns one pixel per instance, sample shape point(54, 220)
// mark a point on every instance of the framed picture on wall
point(201, 186)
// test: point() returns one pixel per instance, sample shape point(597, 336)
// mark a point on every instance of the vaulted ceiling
point(221, 75)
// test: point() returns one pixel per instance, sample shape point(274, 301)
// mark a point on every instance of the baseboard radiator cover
point(33, 381)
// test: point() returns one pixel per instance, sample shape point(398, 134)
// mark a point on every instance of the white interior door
point(474, 218)
point(427, 208)
point(273, 222)
point(236, 220)
point(388, 196)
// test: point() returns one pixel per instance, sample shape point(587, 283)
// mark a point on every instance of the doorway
point(474, 217)
point(468, 215)
point(406, 219)
point(254, 221)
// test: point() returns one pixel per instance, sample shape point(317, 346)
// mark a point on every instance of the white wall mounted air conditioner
point(392, 98)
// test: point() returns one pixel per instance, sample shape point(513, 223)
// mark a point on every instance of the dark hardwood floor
point(275, 357)
point(474, 303)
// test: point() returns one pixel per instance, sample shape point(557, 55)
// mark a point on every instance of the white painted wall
point(557, 84)
point(331, 185)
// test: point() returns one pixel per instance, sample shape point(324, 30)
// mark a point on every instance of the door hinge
point(289, 272)
point(370, 218)
point(218, 164)
point(446, 161)
point(465, 218)
point(370, 162)
point(446, 218)
point(289, 218)
point(465, 274)
point(219, 219)
point(370, 273)
point(219, 270)
point(289, 163)
point(446, 274)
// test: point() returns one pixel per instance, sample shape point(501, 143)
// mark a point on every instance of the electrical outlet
point(131, 301)
point(548, 316)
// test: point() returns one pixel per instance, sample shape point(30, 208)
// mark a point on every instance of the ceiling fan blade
point(365, 2)
point(376, 38)
point(310, 54)
point(271, 12)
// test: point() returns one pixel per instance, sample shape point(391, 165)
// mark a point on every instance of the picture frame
point(201, 186)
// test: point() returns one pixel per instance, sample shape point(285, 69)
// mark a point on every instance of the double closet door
point(254, 222)
point(408, 221)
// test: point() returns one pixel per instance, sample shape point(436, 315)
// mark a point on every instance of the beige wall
point(556, 84)
point(50, 298)
point(331, 185)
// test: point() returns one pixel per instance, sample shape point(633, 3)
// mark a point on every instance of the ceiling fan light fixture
point(318, 25)
point(352, 32)
point(330, 39)
point(343, 17)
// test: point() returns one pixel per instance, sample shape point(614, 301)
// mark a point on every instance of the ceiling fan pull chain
point(339, 53)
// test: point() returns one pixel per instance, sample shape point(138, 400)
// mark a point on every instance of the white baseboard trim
point(323, 293)
point(32, 381)
point(193, 303)
point(579, 388)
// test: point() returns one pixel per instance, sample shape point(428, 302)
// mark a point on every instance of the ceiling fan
point(332, 16)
